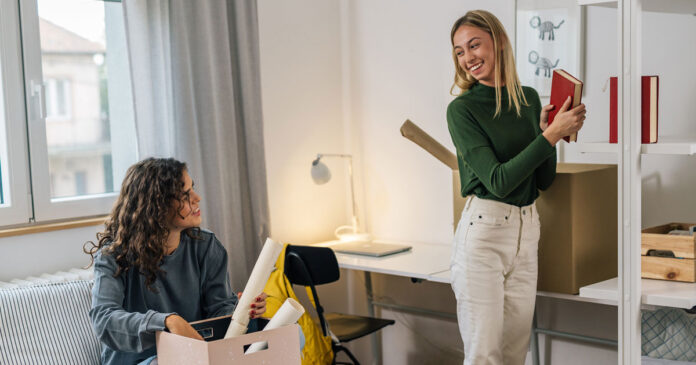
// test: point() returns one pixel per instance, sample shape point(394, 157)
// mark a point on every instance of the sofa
point(48, 324)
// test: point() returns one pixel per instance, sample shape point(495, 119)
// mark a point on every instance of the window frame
point(19, 209)
point(46, 208)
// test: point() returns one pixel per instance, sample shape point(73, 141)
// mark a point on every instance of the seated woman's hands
point(178, 325)
point(564, 124)
point(258, 307)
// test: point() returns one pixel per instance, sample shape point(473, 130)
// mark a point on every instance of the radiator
point(60, 276)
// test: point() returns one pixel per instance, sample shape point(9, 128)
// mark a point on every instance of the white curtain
point(196, 88)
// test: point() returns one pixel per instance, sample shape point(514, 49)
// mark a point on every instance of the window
point(57, 99)
point(79, 113)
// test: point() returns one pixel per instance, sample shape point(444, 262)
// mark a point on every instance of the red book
point(648, 108)
point(564, 85)
point(613, 110)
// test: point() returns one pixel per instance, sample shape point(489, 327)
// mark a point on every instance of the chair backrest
point(310, 265)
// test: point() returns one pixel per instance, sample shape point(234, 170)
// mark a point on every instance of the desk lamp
point(321, 175)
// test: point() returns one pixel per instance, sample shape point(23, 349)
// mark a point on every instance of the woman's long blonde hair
point(505, 69)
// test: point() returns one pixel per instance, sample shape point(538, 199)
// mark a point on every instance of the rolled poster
point(288, 313)
point(257, 281)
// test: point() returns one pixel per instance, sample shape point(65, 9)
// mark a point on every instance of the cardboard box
point(283, 348)
point(578, 214)
point(656, 244)
point(579, 237)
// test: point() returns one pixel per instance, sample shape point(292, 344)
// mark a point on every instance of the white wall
point(301, 92)
point(48, 252)
point(401, 68)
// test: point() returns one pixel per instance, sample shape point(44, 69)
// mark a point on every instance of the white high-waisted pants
point(494, 277)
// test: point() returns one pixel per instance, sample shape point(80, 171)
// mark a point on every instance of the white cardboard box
point(283, 349)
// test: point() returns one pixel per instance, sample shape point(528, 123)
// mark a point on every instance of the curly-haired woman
point(154, 268)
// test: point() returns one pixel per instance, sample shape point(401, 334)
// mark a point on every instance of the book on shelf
point(564, 85)
point(648, 109)
point(613, 109)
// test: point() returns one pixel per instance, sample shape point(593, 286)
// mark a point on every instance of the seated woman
point(154, 268)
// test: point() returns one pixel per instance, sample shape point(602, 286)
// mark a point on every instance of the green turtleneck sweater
point(503, 158)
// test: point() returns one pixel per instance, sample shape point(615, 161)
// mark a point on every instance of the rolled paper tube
point(257, 281)
point(288, 313)
point(418, 136)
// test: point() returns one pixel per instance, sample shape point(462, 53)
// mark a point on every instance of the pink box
point(283, 348)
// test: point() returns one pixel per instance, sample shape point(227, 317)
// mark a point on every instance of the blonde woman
point(506, 154)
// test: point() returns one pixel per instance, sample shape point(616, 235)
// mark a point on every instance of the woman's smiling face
point(475, 53)
point(187, 213)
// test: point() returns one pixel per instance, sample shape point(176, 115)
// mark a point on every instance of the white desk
point(423, 260)
point(431, 262)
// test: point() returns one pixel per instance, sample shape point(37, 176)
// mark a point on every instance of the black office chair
point(310, 266)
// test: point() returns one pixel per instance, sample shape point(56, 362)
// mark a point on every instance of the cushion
point(669, 333)
point(48, 324)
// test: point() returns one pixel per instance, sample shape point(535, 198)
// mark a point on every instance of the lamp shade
point(320, 172)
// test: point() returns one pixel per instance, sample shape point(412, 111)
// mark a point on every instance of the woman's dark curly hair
point(137, 229)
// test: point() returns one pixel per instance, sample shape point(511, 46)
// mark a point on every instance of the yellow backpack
point(317, 350)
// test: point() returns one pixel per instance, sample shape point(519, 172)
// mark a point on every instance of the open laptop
point(368, 248)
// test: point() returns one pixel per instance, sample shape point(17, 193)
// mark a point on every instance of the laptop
point(368, 248)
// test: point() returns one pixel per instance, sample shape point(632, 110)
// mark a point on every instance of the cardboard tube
point(254, 287)
point(288, 313)
point(428, 143)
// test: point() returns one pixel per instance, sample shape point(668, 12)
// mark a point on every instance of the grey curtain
point(196, 88)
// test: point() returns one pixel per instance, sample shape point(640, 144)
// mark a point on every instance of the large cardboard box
point(283, 348)
point(578, 214)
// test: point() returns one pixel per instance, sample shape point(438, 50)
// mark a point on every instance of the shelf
point(592, 147)
point(658, 6)
point(444, 277)
point(671, 145)
point(654, 292)
point(665, 146)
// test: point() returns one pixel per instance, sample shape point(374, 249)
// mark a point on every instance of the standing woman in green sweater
point(506, 154)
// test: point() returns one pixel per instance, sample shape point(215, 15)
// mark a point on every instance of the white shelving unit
point(629, 292)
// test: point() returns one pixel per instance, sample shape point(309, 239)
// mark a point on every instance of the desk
point(420, 263)
point(430, 262)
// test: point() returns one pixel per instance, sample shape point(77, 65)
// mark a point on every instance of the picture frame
point(549, 34)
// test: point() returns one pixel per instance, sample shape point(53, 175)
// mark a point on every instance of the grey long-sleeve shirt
point(125, 314)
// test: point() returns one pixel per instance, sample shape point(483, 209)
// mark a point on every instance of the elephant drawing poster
point(546, 40)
